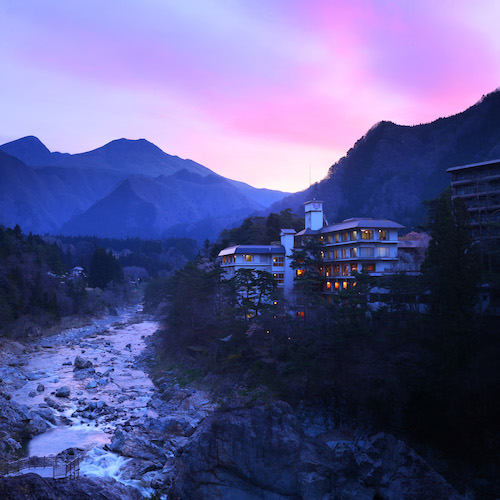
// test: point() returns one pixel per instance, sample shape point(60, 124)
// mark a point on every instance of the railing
point(48, 466)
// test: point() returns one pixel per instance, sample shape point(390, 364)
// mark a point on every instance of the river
point(118, 391)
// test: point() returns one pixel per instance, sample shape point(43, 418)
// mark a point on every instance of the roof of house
point(288, 231)
point(472, 165)
point(255, 249)
point(307, 231)
point(362, 223)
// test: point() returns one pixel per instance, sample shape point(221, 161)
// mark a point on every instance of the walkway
point(43, 466)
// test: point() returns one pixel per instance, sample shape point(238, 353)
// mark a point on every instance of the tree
point(450, 270)
point(104, 269)
point(307, 261)
point(255, 290)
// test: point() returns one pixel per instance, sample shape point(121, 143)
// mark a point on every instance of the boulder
point(63, 392)
point(82, 363)
point(34, 486)
point(40, 388)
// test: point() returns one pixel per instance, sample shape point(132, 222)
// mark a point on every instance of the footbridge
point(54, 467)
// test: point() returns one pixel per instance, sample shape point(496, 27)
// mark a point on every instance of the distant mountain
point(125, 188)
point(124, 157)
point(181, 204)
point(393, 168)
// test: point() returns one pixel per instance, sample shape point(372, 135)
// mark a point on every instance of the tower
point(314, 214)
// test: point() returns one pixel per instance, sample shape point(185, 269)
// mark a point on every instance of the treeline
point(157, 257)
point(429, 375)
point(38, 287)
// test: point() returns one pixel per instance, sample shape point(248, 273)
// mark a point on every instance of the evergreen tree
point(450, 270)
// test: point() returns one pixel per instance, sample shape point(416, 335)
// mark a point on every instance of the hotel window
point(336, 270)
point(329, 238)
point(345, 269)
point(247, 257)
point(337, 285)
point(354, 252)
point(322, 255)
point(300, 272)
point(328, 285)
point(328, 271)
point(337, 237)
point(278, 261)
point(301, 314)
point(354, 235)
point(383, 252)
point(366, 252)
point(234, 258)
point(279, 277)
point(345, 236)
point(344, 285)
point(354, 268)
point(366, 234)
point(369, 267)
point(382, 234)
point(344, 253)
point(335, 254)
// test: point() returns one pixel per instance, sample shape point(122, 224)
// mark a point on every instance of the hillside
point(125, 188)
point(393, 168)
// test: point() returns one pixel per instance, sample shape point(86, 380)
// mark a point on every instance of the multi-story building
point(350, 246)
point(478, 184)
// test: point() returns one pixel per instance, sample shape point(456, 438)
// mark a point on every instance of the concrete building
point(350, 246)
point(478, 184)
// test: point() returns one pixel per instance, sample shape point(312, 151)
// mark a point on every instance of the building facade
point(350, 246)
point(478, 185)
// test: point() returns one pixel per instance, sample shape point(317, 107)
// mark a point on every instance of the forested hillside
point(393, 168)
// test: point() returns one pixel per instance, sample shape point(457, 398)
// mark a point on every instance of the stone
point(40, 388)
point(82, 363)
point(92, 384)
point(33, 376)
point(32, 394)
point(63, 392)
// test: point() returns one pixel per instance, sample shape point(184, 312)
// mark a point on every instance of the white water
point(101, 463)
point(112, 346)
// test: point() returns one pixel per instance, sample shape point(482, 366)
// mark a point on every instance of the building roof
point(288, 231)
point(256, 249)
point(307, 231)
point(473, 165)
point(363, 223)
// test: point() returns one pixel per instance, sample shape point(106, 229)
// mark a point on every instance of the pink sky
point(263, 91)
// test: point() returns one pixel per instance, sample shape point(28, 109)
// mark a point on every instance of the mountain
point(393, 168)
point(124, 157)
point(181, 204)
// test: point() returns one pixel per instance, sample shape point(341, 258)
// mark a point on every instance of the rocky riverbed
point(85, 389)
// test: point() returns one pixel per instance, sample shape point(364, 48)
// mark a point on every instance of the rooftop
point(363, 223)
point(255, 249)
point(473, 165)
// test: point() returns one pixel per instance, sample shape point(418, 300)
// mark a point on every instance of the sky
point(269, 92)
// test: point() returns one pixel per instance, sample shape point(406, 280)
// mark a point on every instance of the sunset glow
point(264, 92)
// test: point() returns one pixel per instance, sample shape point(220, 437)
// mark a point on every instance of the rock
point(34, 486)
point(81, 363)
point(32, 394)
point(53, 404)
point(63, 392)
point(67, 363)
point(92, 384)
point(175, 426)
point(102, 381)
point(40, 388)
point(33, 376)
point(130, 444)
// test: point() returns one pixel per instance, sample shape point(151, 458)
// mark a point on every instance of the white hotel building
point(350, 246)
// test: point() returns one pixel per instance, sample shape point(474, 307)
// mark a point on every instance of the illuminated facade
point(350, 246)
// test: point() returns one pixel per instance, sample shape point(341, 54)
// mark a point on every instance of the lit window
point(354, 267)
point(247, 257)
point(337, 237)
point(366, 234)
point(328, 285)
point(368, 267)
point(278, 261)
point(337, 285)
point(354, 236)
point(336, 270)
point(354, 252)
point(335, 254)
point(279, 277)
point(300, 272)
point(344, 253)
point(345, 236)
point(344, 285)
point(382, 233)
point(301, 314)
point(345, 270)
